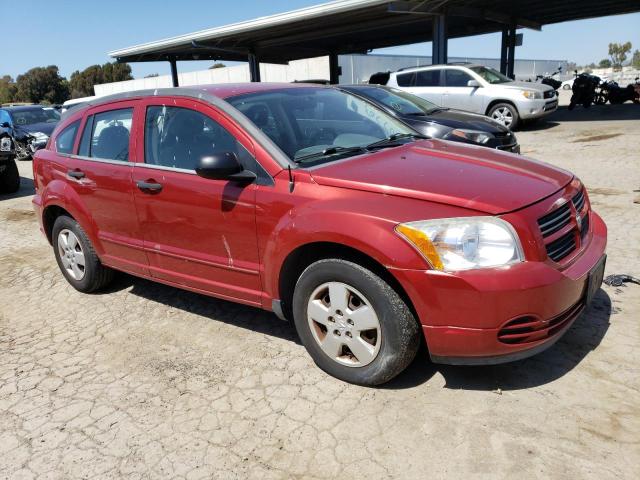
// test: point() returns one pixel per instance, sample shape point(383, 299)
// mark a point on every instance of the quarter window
point(428, 78)
point(65, 139)
point(178, 138)
point(457, 78)
point(110, 135)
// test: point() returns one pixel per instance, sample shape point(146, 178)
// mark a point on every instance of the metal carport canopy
point(357, 26)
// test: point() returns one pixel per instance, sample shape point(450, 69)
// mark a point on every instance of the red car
point(314, 204)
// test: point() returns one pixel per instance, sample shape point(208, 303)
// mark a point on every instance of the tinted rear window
point(66, 138)
point(406, 79)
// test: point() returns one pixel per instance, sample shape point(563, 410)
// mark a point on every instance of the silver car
point(478, 89)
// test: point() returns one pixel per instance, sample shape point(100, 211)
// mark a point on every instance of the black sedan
point(9, 176)
point(438, 122)
point(30, 126)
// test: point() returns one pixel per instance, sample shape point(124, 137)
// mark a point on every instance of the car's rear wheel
point(9, 177)
point(76, 257)
point(352, 323)
point(506, 114)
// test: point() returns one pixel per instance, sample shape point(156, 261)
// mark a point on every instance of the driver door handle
point(77, 174)
point(149, 186)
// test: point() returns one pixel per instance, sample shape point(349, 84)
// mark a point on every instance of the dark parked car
point(30, 126)
point(9, 177)
point(438, 122)
point(317, 205)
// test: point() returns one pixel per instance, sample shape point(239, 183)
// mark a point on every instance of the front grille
point(550, 105)
point(585, 227)
point(530, 329)
point(554, 221)
point(562, 247)
point(549, 94)
point(578, 200)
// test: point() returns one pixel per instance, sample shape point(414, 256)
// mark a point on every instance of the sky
point(79, 33)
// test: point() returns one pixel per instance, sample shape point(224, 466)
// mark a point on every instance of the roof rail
point(459, 63)
point(415, 66)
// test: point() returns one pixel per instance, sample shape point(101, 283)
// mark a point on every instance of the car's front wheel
point(353, 324)
point(76, 257)
point(506, 114)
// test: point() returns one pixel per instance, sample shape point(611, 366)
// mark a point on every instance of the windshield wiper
point(328, 151)
point(392, 140)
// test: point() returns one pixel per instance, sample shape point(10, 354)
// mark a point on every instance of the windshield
point(32, 116)
point(402, 102)
point(317, 124)
point(491, 75)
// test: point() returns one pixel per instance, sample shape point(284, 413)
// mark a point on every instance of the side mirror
point(224, 166)
point(5, 125)
point(473, 84)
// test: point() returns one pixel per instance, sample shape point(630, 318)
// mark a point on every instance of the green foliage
point(635, 60)
point(604, 63)
point(82, 82)
point(618, 53)
point(42, 85)
point(8, 89)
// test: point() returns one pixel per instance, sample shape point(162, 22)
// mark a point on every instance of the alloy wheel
point(503, 115)
point(71, 254)
point(344, 324)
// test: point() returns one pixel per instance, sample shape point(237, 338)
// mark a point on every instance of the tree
point(604, 63)
point(82, 82)
point(618, 53)
point(217, 65)
point(635, 60)
point(7, 89)
point(42, 84)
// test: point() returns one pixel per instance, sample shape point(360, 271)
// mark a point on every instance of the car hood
point(44, 127)
point(459, 119)
point(466, 176)
point(539, 87)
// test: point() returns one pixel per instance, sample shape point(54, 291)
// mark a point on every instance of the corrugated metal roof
point(356, 26)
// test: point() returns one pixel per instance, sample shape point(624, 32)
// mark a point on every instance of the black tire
point(399, 330)
point(513, 110)
point(96, 275)
point(10, 178)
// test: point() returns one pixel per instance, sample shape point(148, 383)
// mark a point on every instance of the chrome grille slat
point(554, 221)
point(562, 247)
point(578, 200)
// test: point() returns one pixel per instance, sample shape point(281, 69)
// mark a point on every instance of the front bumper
point(462, 314)
point(537, 108)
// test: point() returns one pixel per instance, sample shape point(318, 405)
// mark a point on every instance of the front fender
point(311, 223)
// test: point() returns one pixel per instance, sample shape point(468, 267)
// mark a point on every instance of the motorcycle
point(584, 90)
point(549, 80)
point(611, 92)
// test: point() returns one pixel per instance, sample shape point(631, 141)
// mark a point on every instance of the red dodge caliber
point(314, 204)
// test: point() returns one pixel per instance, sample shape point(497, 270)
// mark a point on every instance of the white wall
point(309, 68)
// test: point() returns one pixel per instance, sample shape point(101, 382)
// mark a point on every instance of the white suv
point(477, 89)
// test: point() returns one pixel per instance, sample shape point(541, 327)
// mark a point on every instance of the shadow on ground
point(583, 337)
point(596, 113)
point(27, 189)
point(243, 316)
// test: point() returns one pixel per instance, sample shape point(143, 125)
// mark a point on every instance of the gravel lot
point(146, 381)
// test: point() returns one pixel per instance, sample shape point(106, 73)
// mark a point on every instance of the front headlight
point(5, 144)
point(472, 135)
point(453, 244)
point(532, 94)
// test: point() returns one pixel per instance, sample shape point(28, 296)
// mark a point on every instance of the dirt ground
point(147, 381)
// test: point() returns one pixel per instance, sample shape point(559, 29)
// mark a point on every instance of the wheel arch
point(493, 103)
point(49, 216)
point(304, 255)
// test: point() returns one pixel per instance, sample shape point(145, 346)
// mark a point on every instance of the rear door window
point(406, 79)
point(66, 138)
point(110, 135)
point(428, 78)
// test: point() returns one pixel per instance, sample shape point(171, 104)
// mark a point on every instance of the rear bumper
point(462, 315)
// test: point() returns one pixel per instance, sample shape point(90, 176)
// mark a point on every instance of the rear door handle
point(77, 174)
point(149, 186)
